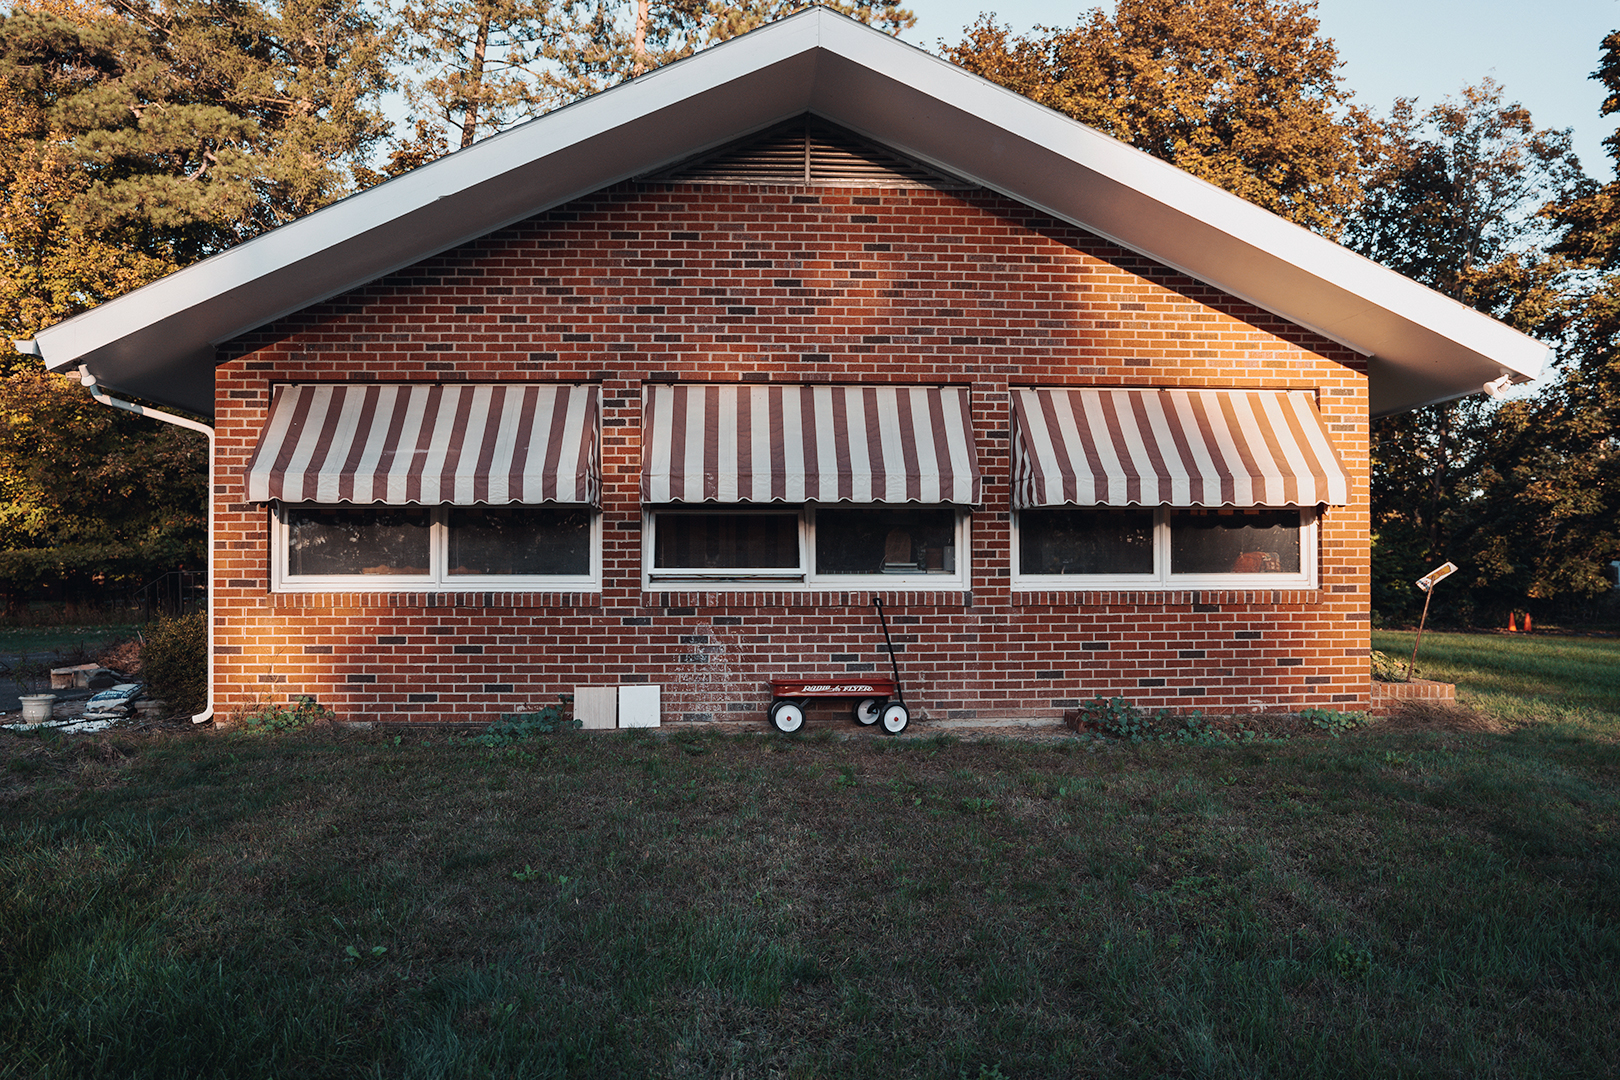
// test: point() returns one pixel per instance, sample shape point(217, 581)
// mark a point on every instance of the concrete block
point(66, 678)
point(639, 705)
point(596, 707)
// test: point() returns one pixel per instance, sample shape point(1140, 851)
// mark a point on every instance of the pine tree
point(481, 65)
point(136, 138)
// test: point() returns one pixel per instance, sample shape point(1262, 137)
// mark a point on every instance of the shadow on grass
point(1386, 903)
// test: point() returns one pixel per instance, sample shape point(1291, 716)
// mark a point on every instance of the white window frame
point(1161, 579)
point(803, 578)
point(440, 580)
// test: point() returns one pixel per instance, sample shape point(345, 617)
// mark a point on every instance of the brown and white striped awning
point(1097, 447)
point(398, 444)
point(746, 443)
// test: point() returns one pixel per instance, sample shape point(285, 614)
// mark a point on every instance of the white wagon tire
point(895, 718)
point(787, 716)
point(867, 711)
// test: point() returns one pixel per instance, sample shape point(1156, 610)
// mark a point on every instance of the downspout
point(101, 395)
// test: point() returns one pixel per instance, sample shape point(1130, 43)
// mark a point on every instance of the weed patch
point(1119, 719)
point(270, 718)
point(515, 728)
point(1334, 723)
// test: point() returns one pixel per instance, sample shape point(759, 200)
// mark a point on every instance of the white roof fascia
point(302, 251)
point(1354, 301)
point(1424, 346)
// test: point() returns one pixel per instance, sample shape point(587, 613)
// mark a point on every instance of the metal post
point(1427, 583)
point(1428, 594)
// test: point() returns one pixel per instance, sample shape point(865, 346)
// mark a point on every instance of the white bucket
point(37, 707)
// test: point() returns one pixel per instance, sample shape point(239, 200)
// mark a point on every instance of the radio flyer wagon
point(790, 697)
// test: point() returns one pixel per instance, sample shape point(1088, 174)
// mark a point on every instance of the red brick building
point(666, 387)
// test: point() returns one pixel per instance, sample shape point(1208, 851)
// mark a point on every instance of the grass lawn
point(1518, 675)
point(1403, 901)
point(34, 640)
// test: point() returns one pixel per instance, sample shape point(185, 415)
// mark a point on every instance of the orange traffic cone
point(1513, 626)
point(1527, 622)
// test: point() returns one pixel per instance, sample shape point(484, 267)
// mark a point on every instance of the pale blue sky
point(1540, 52)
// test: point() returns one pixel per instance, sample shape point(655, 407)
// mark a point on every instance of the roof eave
point(159, 342)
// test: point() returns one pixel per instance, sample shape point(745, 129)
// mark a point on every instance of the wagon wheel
point(787, 716)
point(895, 718)
point(867, 711)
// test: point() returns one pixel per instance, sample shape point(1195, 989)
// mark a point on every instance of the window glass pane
point(358, 540)
point(886, 540)
point(1075, 540)
point(726, 542)
point(513, 540)
point(1234, 542)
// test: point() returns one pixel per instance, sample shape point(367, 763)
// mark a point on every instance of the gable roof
point(158, 342)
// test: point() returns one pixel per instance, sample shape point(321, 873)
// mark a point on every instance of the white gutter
point(101, 395)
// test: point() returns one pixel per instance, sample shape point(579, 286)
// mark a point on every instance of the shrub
point(174, 661)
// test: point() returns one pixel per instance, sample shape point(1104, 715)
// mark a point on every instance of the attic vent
point(811, 152)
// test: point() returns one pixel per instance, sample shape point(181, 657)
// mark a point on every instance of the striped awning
point(398, 444)
point(1090, 447)
point(744, 443)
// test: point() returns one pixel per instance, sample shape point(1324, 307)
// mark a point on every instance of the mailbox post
point(1427, 583)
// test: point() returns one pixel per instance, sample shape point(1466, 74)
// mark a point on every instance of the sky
point(1542, 53)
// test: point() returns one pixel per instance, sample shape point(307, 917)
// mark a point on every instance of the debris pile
point(117, 704)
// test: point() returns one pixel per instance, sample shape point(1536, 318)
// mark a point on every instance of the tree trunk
point(638, 44)
point(475, 80)
point(1439, 477)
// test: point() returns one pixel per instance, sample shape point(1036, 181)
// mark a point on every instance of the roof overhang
point(159, 341)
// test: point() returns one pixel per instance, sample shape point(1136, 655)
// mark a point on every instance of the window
point(1089, 547)
point(729, 544)
point(829, 547)
point(363, 548)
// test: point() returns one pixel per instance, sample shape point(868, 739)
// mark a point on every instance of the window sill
point(406, 599)
point(1197, 599)
point(694, 600)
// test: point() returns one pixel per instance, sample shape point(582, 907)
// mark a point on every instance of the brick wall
point(702, 283)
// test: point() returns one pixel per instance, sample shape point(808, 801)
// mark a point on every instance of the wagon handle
point(899, 692)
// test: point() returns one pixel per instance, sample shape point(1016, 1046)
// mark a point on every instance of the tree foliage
point(90, 494)
point(483, 64)
point(1458, 201)
point(1453, 198)
point(136, 137)
point(1243, 93)
point(1568, 486)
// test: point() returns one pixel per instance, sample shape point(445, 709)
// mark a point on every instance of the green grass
point(25, 640)
point(1395, 902)
point(1508, 673)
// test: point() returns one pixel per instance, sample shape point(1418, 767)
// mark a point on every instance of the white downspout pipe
point(101, 395)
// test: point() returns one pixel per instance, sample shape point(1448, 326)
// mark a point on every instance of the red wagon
point(791, 697)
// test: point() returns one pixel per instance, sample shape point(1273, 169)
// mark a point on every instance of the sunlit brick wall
point(701, 283)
